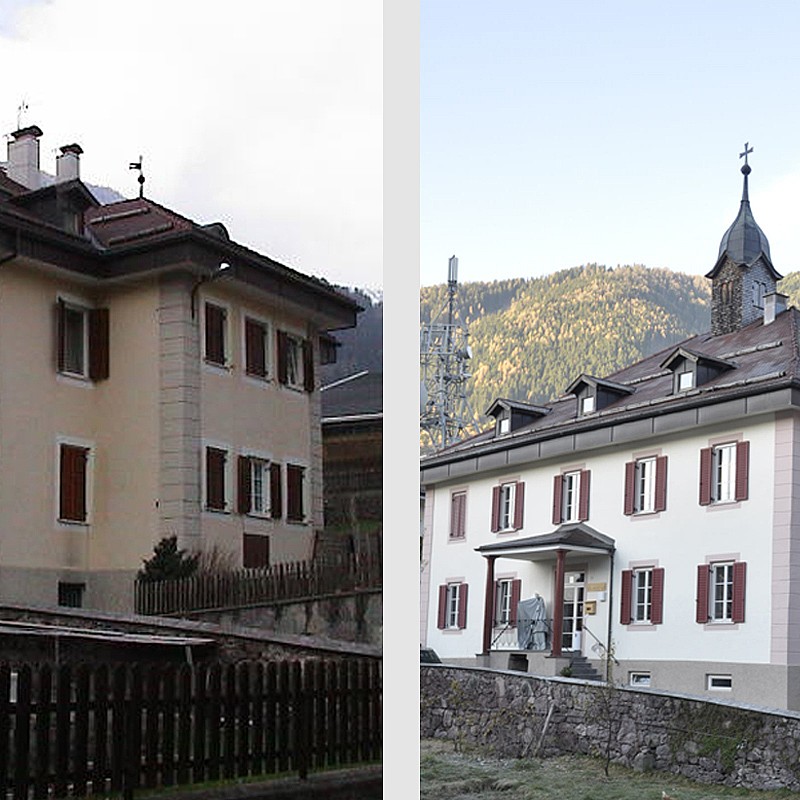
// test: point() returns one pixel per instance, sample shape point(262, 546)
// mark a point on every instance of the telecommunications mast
point(444, 355)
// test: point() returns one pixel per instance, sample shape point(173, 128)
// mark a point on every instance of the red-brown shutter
point(294, 493)
point(255, 348)
point(283, 370)
point(630, 488)
point(457, 515)
point(215, 334)
point(702, 593)
point(61, 325)
point(661, 484)
point(657, 597)
point(626, 597)
point(442, 622)
point(244, 485)
point(462, 606)
point(739, 580)
point(705, 475)
point(742, 469)
point(516, 592)
point(519, 505)
point(72, 483)
point(583, 507)
point(495, 509)
point(255, 551)
point(215, 478)
point(308, 365)
point(275, 494)
point(558, 488)
point(98, 344)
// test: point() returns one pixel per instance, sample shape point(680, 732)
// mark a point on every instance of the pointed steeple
point(743, 274)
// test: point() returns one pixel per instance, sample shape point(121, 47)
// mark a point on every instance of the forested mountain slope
point(532, 337)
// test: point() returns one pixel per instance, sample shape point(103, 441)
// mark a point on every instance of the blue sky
point(558, 134)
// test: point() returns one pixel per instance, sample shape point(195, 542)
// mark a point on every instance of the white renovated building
point(653, 513)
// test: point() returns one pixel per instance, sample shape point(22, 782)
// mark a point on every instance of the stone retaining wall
point(517, 715)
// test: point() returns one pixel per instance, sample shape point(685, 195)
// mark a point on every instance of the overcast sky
point(266, 116)
point(558, 134)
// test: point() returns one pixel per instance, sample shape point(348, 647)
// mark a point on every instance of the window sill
point(257, 380)
point(641, 626)
point(456, 538)
point(224, 511)
point(721, 625)
point(73, 523)
point(723, 505)
point(74, 379)
point(214, 366)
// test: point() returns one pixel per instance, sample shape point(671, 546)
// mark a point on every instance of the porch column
point(558, 604)
point(488, 605)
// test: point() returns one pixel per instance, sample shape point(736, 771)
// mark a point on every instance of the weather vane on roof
point(138, 165)
point(746, 151)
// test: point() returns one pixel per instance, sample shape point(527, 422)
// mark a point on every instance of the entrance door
point(573, 611)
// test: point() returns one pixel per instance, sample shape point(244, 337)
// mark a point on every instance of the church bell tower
point(743, 275)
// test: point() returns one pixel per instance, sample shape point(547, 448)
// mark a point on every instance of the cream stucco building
point(156, 379)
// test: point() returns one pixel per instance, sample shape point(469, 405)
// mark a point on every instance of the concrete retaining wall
point(517, 715)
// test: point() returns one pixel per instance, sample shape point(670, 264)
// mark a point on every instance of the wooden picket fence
point(91, 730)
point(294, 580)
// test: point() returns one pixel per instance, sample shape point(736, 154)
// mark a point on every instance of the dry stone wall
point(517, 715)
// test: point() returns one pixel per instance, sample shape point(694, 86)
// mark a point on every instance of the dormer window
point(691, 370)
point(594, 394)
point(509, 415)
point(684, 380)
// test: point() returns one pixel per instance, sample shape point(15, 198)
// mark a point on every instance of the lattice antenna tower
point(445, 355)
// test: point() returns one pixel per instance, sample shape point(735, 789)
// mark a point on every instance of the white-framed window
point(642, 605)
point(588, 404)
point(641, 679)
point(505, 425)
point(570, 497)
point(503, 601)
point(74, 481)
point(645, 494)
point(259, 486)
point(453, 605)
point(721, 592)
point(507, 498)
point(685, 380)
point(216, 343)
point(294, 361)
point(723, 475)
point(82, 347)
point(719, 683)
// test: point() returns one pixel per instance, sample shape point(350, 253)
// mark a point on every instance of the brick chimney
point(68, 163)
point(774, 303)
point(23, 157)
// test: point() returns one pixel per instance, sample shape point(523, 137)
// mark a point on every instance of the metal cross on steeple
point(746, 151)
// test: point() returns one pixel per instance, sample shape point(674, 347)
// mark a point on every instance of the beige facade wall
point(270, 420)
point(146, 427)
point(40, 408)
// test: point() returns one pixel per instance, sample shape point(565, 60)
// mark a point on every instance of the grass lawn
point(448, 775)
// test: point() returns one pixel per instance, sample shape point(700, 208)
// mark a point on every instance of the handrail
point(602, 646)
point(503, 630)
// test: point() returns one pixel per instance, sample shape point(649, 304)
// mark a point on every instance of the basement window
point(640, 679)
point(719, 683)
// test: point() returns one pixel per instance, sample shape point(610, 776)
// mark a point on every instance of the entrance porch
point(549, 629)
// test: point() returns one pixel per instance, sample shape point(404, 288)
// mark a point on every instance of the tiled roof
point(765, 357)
point(133, 220)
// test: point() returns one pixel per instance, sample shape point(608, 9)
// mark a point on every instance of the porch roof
point(573, 536)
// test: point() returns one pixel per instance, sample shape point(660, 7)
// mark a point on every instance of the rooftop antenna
point(21, 109)
point(445, 354)
point(138, 165)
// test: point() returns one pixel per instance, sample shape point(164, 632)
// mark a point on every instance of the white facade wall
point(678, 539)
